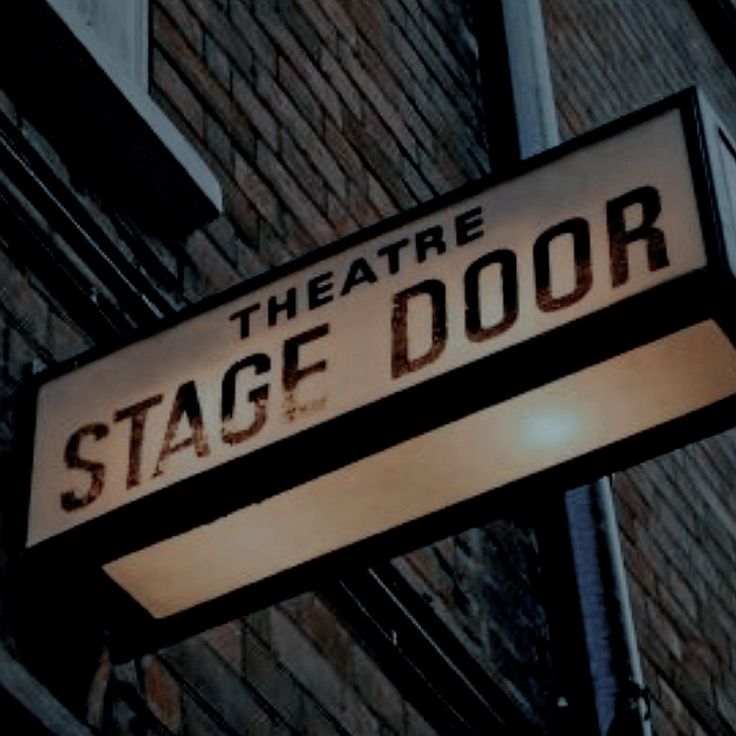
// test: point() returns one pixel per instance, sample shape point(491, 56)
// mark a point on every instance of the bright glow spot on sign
point(550, 427)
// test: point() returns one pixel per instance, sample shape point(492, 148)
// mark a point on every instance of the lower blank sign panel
point(567, 418)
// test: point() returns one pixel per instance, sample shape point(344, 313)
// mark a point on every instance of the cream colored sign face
point(510, 263)
point(642, 388)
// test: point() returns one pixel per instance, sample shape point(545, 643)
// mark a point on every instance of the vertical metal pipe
point(604, 600)
point(531, 80)
point(606, 611)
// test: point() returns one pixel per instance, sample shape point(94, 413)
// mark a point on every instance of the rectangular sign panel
point(507, 330)
point(442, 291)
point(524, 435)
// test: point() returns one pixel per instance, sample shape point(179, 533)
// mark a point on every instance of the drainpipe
point(531, 82)
point(601, 580)
point(615, 668)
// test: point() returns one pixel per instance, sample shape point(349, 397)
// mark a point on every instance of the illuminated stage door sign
point(547, 327)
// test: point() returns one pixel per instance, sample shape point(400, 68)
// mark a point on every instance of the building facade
point(152, 158)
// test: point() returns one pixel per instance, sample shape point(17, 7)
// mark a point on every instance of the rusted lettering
point(506, 261)
point(186, 402)
point(260, 363)
point(294, 373)
point(137, 414)
point(578, 229)
point(401, 363)
point(71, 500)
point(620, 237)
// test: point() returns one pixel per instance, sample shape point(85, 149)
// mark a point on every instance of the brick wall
point(609, 58)
point(678, 512)
point(318, 117)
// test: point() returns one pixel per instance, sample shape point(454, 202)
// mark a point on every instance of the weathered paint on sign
point(548, 321)
point(526, 434)
point(515, 261)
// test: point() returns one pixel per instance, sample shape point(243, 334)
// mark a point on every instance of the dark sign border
point(678, 303)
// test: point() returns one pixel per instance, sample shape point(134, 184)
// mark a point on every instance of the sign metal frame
point(679, 303)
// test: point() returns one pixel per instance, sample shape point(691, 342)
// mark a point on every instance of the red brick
point(268, 675)
point(220, 29)
point(339, 216)
point(217, 62)
point(309, 178)
point(227, 641)
point(309, 140)
point(321, 22)
point(360, 207)
point(250, 262)
point(257, 191)
point(309, 37)
point(372, 151)
point(340, 81)
point(252, 106)
point(213, 272)
point(187, 23)
point(317, 722)
point(244, 22)
point(306, 663)
point(202, 81)
point(300, 94)
point(380, 198)
point(218, 142)
point(295, 197)
point(222, 233)
point(374, 94)
point(290, 48)
point(278, 249)
point(178, 93)
point(342, 21)
point(244, 216)
point(163, 694)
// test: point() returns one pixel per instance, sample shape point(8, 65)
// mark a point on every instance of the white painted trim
point(133, 84)
point(173, 139)
point(91, 23)
point(141, 60)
